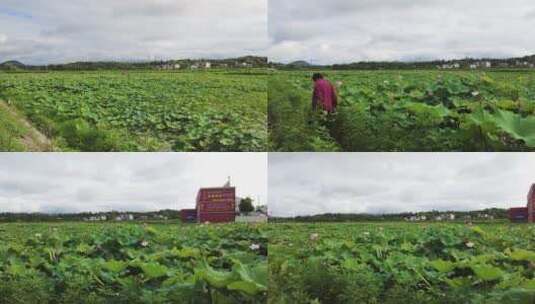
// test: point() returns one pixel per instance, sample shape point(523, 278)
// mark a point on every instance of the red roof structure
point(188, 215)
point(519, 214)
point(525, 214)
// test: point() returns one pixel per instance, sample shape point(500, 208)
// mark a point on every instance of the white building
point(451, 66)
point(125, 217)
point(416, 218)
point(253, 217)
point(263, 209)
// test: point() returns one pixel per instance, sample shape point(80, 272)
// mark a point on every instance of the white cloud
point(314, 183)
point(3, 38)
point(64, 30)
point(76, 182)
point(376, 30)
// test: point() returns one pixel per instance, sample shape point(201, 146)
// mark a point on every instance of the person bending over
point(324, 94)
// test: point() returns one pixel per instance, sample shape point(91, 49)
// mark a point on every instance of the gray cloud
point(346, 31)
point(312, 183)
point(76, 182)
point(63, 31)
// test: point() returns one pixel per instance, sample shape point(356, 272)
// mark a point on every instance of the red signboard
point(216, 200)
point(216, 205)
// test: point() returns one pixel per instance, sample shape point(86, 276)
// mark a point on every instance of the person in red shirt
point(324, 94)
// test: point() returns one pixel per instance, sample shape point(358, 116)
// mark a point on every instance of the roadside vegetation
point(17, 135)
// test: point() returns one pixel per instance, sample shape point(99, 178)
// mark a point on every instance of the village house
point(96, 218)
point(260, 215)
point(169, 66)
point(451, 66)
point(481, 65)
point(416, 218)
point(124, 217)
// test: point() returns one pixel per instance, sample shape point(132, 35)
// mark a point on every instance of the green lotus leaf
point(154, 270)
point(115, 266)
point(443, 266)
point(522, 255)
point(487, 272)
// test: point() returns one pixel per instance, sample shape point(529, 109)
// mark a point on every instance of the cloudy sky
point(50, 182)
point(333, 31)
point(58, 31)
point(316, 183)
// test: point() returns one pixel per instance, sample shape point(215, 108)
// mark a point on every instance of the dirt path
point(32, 140)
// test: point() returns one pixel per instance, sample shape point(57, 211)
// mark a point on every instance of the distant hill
point(300, 63)
point(12, 65)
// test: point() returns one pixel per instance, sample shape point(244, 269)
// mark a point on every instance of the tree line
point(251, 61)
point(486, 214)
point(525, 62)
point(59, 217)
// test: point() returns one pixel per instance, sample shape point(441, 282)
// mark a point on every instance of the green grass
point(401, 263)
point(17, 135)
point(11, 131)
point(407, 111)
point(218, 110)
point(132, 263)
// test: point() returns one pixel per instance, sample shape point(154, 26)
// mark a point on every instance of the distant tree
point(246, 205)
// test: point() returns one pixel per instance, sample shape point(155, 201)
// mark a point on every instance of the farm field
point(219, 110)
point(131, 263)
point(401, 263)
point(405, 111)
